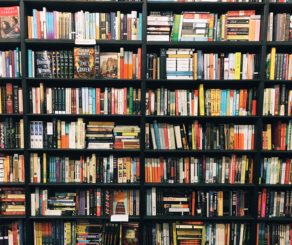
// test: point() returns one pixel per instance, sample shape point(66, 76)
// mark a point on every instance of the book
point(10, 63)
point(109, 65)
point(9, 18)
point(84, 62)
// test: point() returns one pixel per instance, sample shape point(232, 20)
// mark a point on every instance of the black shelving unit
point(261, 47)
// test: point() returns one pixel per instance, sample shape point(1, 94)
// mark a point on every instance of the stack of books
point(159, 26)
point(12, 201)
point(99, 135)
point(127, 137)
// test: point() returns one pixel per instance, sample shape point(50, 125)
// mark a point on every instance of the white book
point(153, 200)
point(178, 137)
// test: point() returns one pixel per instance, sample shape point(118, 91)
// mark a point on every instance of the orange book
point(138, 168)
point(187, 170)
point(130, 65)
point(211, 62)
point(287, 172)
point(125, 75)
point(97, 101)
point(39, 25)
point(29, 25)
point(193, 203)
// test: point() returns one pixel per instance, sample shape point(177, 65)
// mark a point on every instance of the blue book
point(34, 15)
point(223, 101)
point(93, 93)
point(112, 27)
point(156, 133)
point(29, 54)
point(140, 27)
point(134, 167)
point(200, 65)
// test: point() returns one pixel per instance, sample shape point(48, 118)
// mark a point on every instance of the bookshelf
point(261, 48)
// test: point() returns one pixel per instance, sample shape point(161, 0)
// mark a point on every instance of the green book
point(176, 26)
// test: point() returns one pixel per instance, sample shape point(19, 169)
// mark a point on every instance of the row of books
point(12, 168)
point(279, 65)
point(10, 63)
point(198, 136)
point(85, 100)
point(279, 27)
point(84, 62)
point(11, 133)
point(85, 169)
point(199, 101)
point(274, 203)
point(89, 202)
point(236, 25)
point(196, 232)
point(11, 99)
point(45, 24)
point(11, 232)
point(277, 101)
point(79, 135)
point(219, 170)
point(277, 136)
point(274, 233)
point(12, 201)
point(83, 232)
point(196, 203)
point(177, 63)
point(275, 170)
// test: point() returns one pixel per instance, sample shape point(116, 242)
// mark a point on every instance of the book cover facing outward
point(43, 64)
point(84, 62)
point(9, 22)
point(109, 65)
point(130, 234)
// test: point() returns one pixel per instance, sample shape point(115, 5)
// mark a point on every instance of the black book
point(162, 63)
point(43, 64)
point(15, 99)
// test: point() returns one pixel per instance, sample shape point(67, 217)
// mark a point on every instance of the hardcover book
point(9, 18)
point(84, 62)
point(109, 65)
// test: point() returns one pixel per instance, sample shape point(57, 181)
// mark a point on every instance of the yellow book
point(174, 233)
point(243, 168)
point(223, 29)
point(195, 63)
point(269, 136)
point(220, 203)
point(237, 65)
point(212, 97)
point(44, 168)
point(237, 37)
point(272, 63)
point(201, 100)
point(218, 102)
point(179, 56)
point(67, 231)
point(119, 66)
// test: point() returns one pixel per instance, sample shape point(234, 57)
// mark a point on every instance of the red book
point(139, 62)
point(287, 172)
point(235, 13)
point(263, 203)
point(97, 101)
point(166, 137)
point(39, 25)
point(9, 99)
